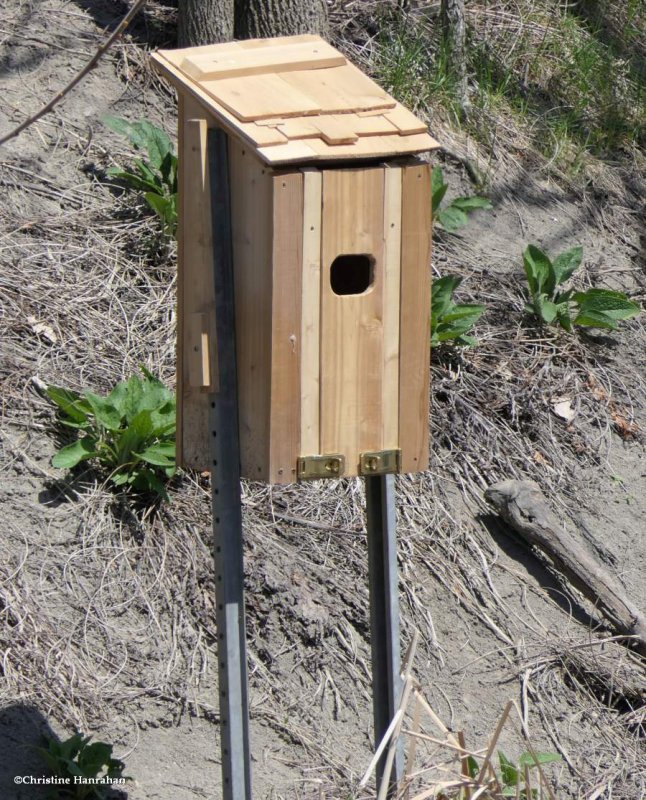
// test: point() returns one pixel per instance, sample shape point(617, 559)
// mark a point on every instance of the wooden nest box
point(331, 236)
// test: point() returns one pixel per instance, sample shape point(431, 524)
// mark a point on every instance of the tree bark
point(454, 40)
point(263, 18)
point(522, 505)
point(204, 22)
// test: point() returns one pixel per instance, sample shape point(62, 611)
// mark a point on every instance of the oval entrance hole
point(352, 274)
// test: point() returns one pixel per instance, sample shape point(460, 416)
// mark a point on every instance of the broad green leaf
point(162, 206)
point(104, 412)
point(566, 263)
point(147, 481)
point(164, 420)
point(527, 759)
point(134, 181)
point(441, 295)
point(71, 404)
point(157, 143)
point(537, 268)
point(120, 478)
point(508, 770)
point(473, 312)
point(452, 219)
point(548, 309)
point(438, 188)
point(471, 203)
point(161, 454)
point(93, 758)
point(72, 454)
point(613, 304)
point(452, 330)
point(563, 317)
point(119, 398)
point(125, 128)
point(472, 767)
point(154, 396)
point(135, 437)
point(595, 319)
point(130, 397)
point(150, 176)
point(466, 341)
point(169, 171)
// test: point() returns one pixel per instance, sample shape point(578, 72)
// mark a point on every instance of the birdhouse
point(331, 236)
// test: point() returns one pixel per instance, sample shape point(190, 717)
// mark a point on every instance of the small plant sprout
point(88, 770)
point(451, 322)
point(551, 305)
point(455, 215)
point(156, 177)
point(131, 432)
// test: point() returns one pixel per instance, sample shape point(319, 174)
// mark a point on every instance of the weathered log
point(522, 505)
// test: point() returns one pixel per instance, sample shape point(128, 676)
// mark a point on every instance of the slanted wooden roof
point(295, 99)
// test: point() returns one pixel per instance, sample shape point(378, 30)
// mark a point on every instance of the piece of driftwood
point(522, 505)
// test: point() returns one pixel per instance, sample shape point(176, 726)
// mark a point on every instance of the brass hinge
point(380, 462)
point(328, 466)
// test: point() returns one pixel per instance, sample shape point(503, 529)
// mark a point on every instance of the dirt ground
point(106, 616)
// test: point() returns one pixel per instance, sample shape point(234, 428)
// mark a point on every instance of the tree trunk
point(454, 39)
point(204, 22)
point(262, 18)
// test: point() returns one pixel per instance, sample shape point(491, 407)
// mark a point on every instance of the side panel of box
point(196, 343)
point(251, 220)
point(415, 322)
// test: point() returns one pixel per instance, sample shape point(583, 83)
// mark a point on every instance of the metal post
point(225, 488)
point(384, 610)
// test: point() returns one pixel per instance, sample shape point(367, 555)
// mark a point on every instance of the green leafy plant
point(451, 321)
point(88, 770)
point(156, 177)
point(514, 780)
point(594, 308)
point(455, 215)
point(131, 432)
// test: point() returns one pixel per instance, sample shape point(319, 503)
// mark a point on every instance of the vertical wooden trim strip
point(179, 318)
point(311, 314)
point(251, 189)
point(285, 420)
point(415, 323)
point(195, 283)
point(392, 273)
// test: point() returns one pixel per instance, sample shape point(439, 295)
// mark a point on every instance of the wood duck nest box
point(331, 236)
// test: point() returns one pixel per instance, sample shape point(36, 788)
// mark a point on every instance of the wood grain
point(217, 64)
point(339, 89)
point(352, 325)
point(251, 221)
point(415, 322)
point(195, 283)
point(391, 313)
point(311, 314)
point(287, 254)
point(261, 96)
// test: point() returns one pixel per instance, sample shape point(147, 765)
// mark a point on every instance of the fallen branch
point(522, 505)
point(118, 31)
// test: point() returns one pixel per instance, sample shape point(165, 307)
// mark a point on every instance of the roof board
point(295, 99)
